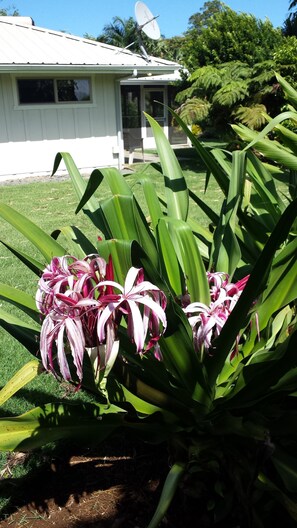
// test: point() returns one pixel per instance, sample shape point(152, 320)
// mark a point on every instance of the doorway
point(154, 100)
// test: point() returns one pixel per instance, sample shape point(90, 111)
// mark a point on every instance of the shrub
point(185, 335)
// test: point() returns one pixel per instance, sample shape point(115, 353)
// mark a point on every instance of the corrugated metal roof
point(30, 48)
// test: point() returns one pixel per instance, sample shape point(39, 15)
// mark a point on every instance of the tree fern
point(206, 77)
point(186, 94)
point(252, 116)
point(231, 93)
point(234, 70)
point(226, 86)
point(194, 110)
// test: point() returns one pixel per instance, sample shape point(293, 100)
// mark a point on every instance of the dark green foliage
point(229, 36)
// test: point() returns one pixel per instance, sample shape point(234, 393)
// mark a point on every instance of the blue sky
point(79, 17)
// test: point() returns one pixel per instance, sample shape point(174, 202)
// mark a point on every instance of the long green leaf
point(47, 246)
point(271, 149)
point(21, 299)
point(177, 403)
point(290, 92)
point(141, 406)
point(77, 243)
point(280, 291)
point(208, 159)
point(151, 197)
point(112, 177)
point(126, 221)
point(177, 196)
point(23, 376)
point(271, 125)
point(213, 217)
point(286, 466)
point(180, 358)
point(53, 422)
point(78, 182)
point(169, 261)
point(26, 334)
point(257, 380)
point(169, 489)
point(226, 253)
point(235, 190)
point(31, 263)
point(190, 259)
point(204, 238)
point(91, 207)
point(265, 187)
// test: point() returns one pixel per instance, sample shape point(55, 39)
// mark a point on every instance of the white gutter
point(87, 68)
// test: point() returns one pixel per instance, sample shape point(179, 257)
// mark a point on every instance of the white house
point(60, 92)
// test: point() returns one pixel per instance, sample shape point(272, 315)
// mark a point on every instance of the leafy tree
point(198, 21)
point(290, 24)
point(286, 59)
point(9, 11)
point(171, 49)
point(216, 90)
point(231, 91)
point(120, 32)
point(293, 4)
point(228, 36)
point(123, 33)
point(231, 57)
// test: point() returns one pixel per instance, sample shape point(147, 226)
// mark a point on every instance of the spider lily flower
point(65, 273)
point(81, 312)
point(68, 300)
point(208, 321)
point(143, 306)
point(63, 327)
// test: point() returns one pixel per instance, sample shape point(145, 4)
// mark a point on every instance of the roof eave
point(89, 68)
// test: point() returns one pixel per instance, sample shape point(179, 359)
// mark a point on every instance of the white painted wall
point(31, 136)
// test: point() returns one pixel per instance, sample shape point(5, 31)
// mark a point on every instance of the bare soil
point(111, 487)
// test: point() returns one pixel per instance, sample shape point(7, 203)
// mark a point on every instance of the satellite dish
point(147, 21)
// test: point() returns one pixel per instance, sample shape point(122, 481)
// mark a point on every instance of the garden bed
point(116, 485)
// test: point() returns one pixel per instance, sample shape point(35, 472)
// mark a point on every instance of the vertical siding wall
point(31, 137)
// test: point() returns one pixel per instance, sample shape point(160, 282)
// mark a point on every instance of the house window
point(36, 91)
point(47, 91)
point(73, 90)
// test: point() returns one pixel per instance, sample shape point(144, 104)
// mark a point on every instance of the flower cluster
point(82, 307)
point(208, 321)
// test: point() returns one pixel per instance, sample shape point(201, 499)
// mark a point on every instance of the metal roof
point(29, 48)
